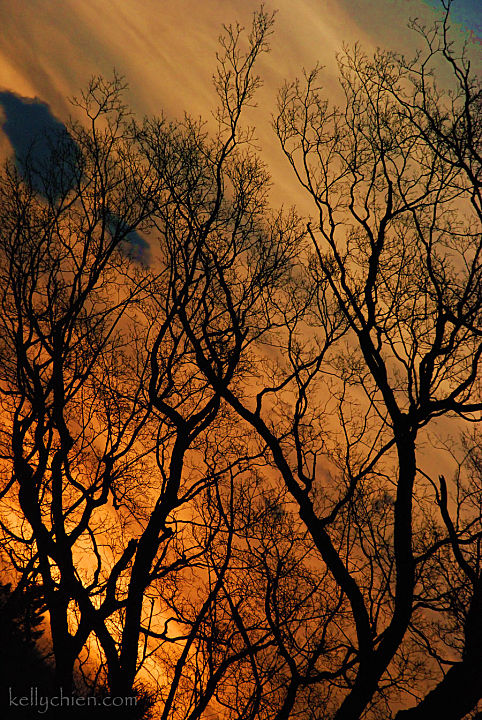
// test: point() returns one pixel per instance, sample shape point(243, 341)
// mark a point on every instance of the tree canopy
point(240, 457)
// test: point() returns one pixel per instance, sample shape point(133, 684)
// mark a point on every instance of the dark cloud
point(134, 245)
point(465, 12)
point(43, 148)
point(28, 124)
point(46, 154)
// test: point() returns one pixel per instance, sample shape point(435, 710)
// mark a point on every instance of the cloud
point(167, 52)
point(43, 149)
point(466, 13)
point(133, 245)
point(46, 154)
point(28, 120)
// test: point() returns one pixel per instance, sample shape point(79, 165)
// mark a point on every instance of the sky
point(166, 50)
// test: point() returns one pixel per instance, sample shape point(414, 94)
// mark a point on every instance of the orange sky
point(166, 49)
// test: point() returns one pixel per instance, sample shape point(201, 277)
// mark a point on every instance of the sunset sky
point(166, 50)
point(166, 405)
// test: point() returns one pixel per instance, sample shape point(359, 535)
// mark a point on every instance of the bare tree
point(394, 178)
point(232, 434)
point(113, 437)
point(65, 328)
point(391, 300)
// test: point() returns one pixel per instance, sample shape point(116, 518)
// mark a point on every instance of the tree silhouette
point(215, 414)
point(21, 616)
point(114, 447)
point(391, 299)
